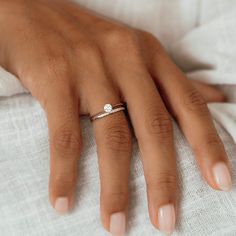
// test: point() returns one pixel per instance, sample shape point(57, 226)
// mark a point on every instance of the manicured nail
point(222, 176)
point(62, 205)
point(166, 219)
point(117, 224)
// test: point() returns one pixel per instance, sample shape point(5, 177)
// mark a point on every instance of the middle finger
point(153, 129)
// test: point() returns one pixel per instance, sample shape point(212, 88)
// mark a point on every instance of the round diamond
point(108, 108)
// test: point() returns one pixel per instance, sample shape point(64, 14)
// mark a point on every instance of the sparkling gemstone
point(108, 108)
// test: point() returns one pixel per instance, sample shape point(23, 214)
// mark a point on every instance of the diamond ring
point(108, 109)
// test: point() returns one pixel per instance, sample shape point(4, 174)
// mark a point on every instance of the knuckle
point(121, 37)
point(157, 53)
point(67, 140)
point(164, 181)
point(194, 102)
point(158, 49)
point(116, 199)
point(120, 196)
point(211, 141)
point(55, 63)
point(55, 68)
point(67, 181)
point(155, 49)
point(147, 36)
point(159, 123)
point(118, 137)
point(86, 50)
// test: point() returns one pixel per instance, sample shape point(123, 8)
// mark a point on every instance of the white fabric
point(200, 36)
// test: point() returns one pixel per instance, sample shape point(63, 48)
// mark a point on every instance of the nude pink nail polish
point(118, 224)
point(166, 218)
point(62, 205)
point(222, 176)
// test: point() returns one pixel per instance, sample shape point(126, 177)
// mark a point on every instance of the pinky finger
point(210, 93)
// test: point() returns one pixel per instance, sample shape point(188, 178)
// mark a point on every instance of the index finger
point(65, 146)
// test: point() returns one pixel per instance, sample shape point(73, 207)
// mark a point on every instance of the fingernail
point(117, 224)
point(62, 205)
point(166, 219)
point(222, 176)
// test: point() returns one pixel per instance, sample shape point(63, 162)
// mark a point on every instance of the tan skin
point(74, 62)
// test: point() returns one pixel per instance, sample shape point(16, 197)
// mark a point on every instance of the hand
point(74, 62)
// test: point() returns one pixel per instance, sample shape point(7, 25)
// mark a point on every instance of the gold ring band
point(108, 109)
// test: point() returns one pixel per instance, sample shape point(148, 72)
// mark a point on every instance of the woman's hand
point(74, 62)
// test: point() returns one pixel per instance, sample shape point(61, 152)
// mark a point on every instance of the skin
point(74, 62)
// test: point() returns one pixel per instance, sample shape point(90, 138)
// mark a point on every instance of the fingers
point(113, 140)
point(191, 112)
point(153, 129)
point(209, 93)
point(114, 152)
point(65, 146)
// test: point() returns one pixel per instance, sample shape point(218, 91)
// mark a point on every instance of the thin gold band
point(108, 110)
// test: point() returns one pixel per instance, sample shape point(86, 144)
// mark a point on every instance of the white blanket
point(201, 38)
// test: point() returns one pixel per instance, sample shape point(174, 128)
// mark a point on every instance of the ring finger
point(113, 140)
